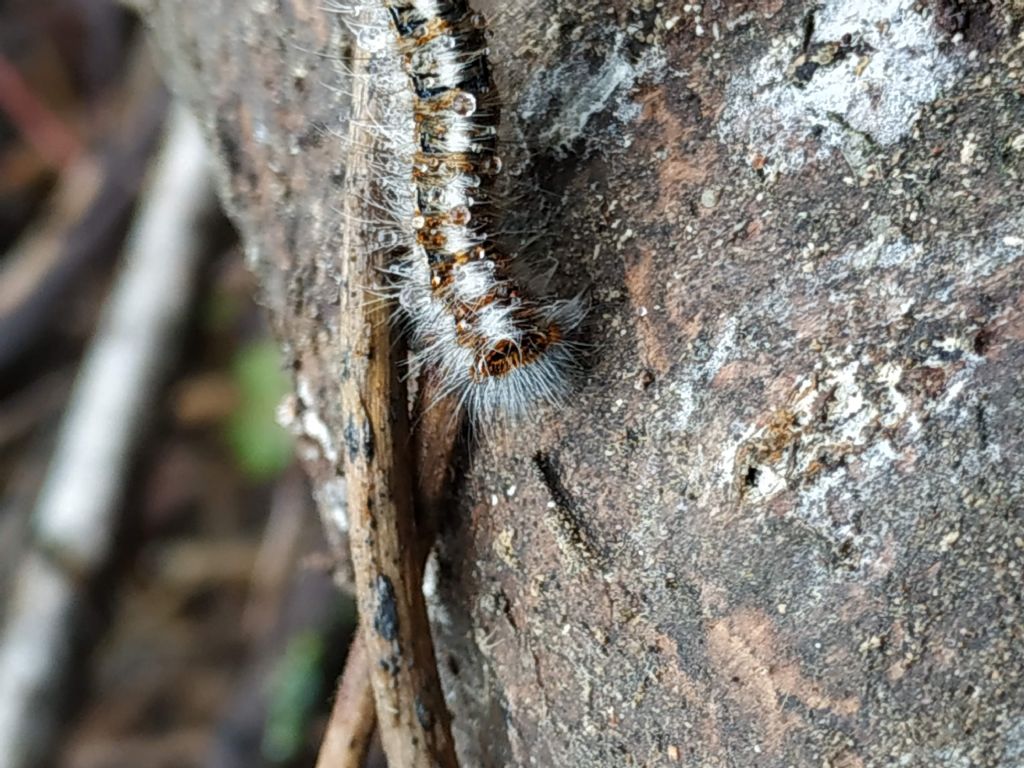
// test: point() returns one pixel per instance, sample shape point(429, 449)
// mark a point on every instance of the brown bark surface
point(781, 521)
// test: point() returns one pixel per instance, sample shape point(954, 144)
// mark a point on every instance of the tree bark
point(780, 523)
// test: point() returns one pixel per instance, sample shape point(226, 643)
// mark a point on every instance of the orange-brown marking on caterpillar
point(439, 103)
point(507, 356)
point(453, 163)
point(461, 310)
point(434, 27)
point(442, 274)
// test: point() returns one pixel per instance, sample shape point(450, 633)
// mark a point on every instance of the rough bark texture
point(781, 523)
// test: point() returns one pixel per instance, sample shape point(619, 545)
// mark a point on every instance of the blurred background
point(165, 592)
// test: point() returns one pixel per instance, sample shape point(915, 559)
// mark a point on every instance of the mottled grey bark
point(780, 524)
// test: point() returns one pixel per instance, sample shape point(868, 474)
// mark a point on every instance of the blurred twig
point(38, 125)
point(113, 394)
point(277, 553)
point(89, 206)
point(289, 610)
point(21, 412)
point(76, 511)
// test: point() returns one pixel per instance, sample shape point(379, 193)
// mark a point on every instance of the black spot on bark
point(453, 666)
point(390, 665)
point(367, 443)
point(385, 620)
point(950, 16)
point(352, 439)
point(359, 440)
point(570, 515)
point(548, 468)
point(423, 715)
point(229, 146)
point(313, 136)
point(982, 341)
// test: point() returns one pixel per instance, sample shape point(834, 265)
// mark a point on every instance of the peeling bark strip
point(378, 473)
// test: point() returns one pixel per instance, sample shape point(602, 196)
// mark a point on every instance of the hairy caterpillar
point(477, 317)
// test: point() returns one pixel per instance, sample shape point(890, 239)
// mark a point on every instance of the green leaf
point(261, 447)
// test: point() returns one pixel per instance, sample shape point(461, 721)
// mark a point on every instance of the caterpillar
point(477, 317)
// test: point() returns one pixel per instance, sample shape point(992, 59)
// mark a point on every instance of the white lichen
point(871, 96)
point(697, 376)
point(561, 100)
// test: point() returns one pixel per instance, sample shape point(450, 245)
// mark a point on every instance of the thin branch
point(435, 447)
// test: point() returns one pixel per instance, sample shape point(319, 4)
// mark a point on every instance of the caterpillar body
point(478, 317)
